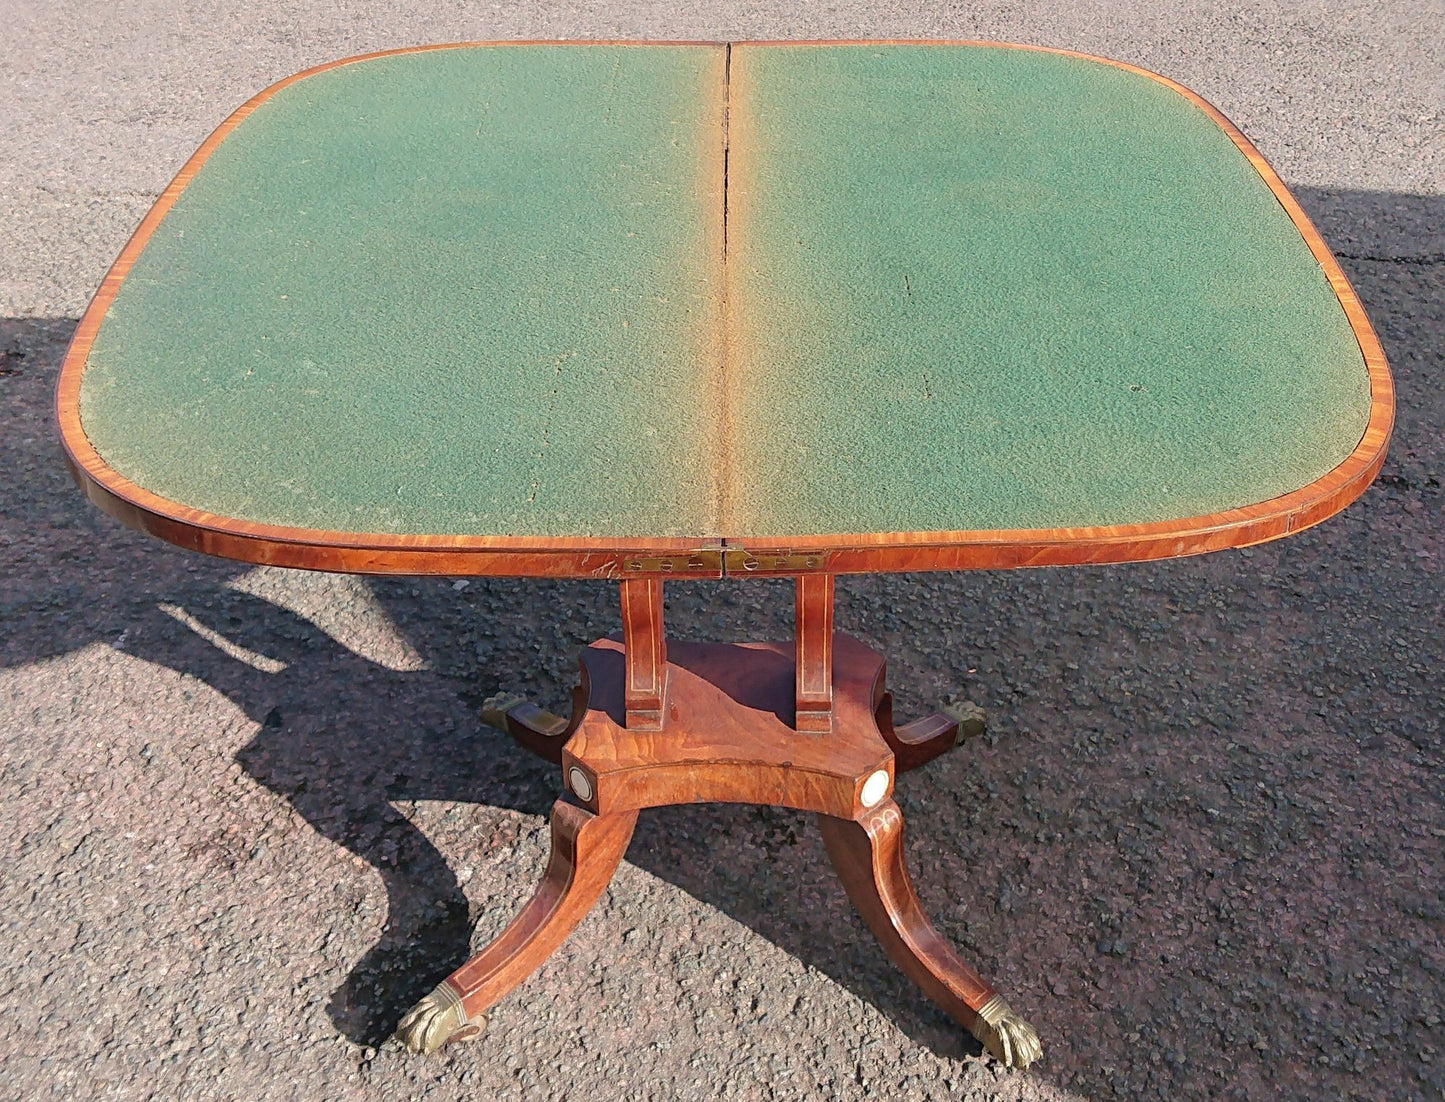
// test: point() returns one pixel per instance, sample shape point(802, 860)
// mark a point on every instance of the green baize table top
point(638, 291)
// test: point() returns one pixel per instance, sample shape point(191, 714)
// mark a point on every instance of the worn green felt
point(480, 291)
point(468, 291)
point(986, 288)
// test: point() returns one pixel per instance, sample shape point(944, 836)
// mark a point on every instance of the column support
point(813, 626)
point(646, 654)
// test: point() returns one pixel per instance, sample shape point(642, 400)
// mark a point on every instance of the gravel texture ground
point(250, 815)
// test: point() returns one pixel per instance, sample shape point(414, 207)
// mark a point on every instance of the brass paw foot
point(534, 728)
point(437, 1019)
point(1012, 1040)
point(970, 717)
point(525, 716)
point(495, 709)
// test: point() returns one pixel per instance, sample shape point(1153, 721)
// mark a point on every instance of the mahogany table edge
point(838, 553)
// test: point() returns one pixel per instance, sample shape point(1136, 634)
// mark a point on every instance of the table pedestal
point(720, 723)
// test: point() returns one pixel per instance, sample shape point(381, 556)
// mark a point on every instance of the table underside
point(719, 296)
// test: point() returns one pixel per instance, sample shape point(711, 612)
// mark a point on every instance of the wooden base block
point(729, 734)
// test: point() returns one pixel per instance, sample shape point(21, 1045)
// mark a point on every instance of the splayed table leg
point(867, 853)
point(586, 850)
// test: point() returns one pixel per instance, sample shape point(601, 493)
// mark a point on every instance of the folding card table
point(646, 312)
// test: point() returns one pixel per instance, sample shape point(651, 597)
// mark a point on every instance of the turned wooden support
point(645, 687)
point(813, 627)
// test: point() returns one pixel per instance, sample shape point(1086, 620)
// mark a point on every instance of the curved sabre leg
point(536, 729)
point(867, 854)
point(586, 850)
point(918, 743)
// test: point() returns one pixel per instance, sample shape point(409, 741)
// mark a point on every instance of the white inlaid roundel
point(874, 789)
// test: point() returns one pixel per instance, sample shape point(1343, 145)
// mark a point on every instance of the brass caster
point(970, 717)
point(437, 1020)
point(1012, 1040)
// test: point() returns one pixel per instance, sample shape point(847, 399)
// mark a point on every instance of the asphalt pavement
point(250, 815)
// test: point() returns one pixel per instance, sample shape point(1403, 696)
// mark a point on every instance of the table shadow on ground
point(340, 737)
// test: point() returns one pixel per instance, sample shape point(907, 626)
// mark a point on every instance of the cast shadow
point(375, 735)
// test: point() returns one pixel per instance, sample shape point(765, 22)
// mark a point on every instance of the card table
point(661, 311)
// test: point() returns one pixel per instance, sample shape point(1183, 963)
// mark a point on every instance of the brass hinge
point(739, 560)
point(695, 562)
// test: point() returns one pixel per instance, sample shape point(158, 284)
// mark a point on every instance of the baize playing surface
point(682, 291)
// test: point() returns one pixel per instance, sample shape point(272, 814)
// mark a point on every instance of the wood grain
point(813, 661)
point(645, 645)
point(729, 736)
point(586, 850)
point(919, 742)
point(867, 854)
point(541, 732)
